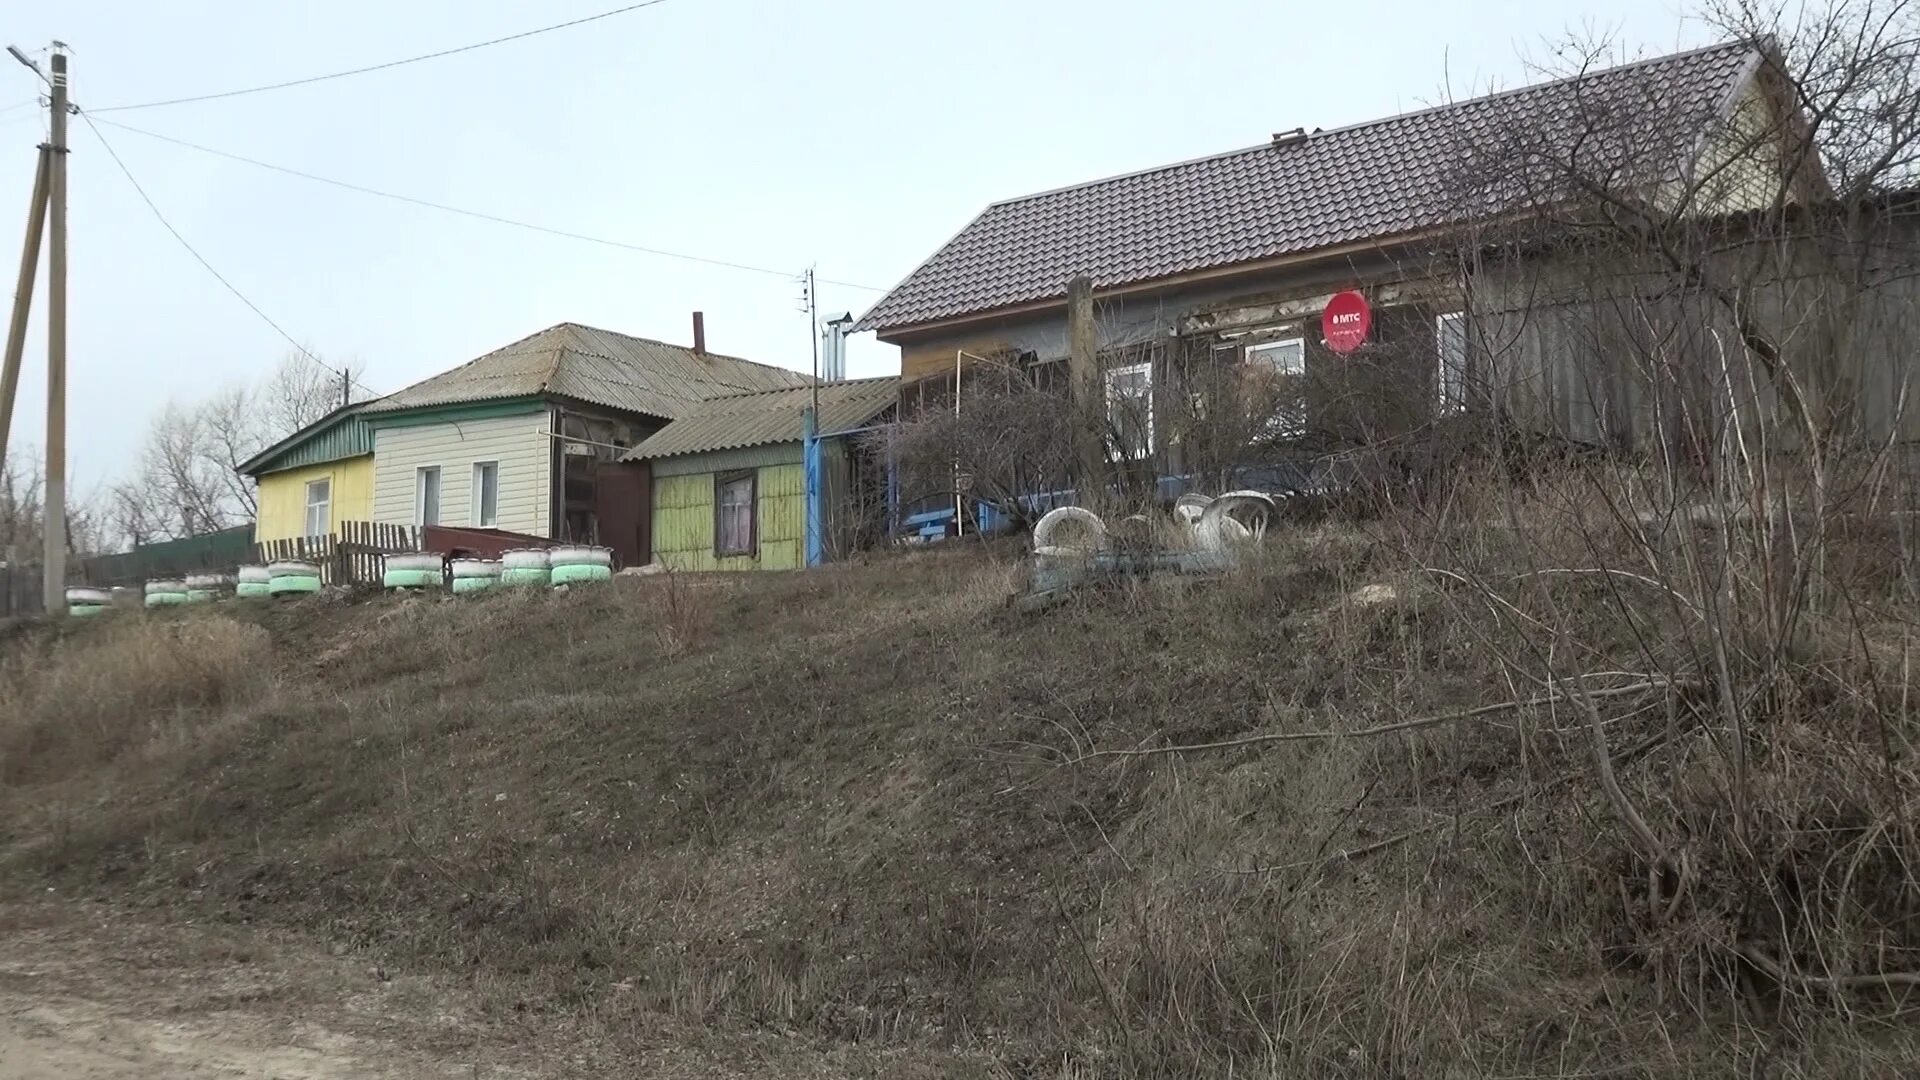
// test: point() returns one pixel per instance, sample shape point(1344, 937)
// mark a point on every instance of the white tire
point(580, 555)
point(525, 559)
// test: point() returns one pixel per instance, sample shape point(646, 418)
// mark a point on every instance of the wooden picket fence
point(355, 554)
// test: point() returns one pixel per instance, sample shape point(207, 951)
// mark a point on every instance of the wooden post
point(54, 495)
point(23, 297)
point(1089, 404)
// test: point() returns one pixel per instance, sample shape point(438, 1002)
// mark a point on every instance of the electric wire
point(382, 67)
point(477, 214)
point(300, 349)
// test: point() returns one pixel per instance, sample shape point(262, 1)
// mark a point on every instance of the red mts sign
point(1346, 321)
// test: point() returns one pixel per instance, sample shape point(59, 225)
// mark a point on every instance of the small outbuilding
point(734, 485)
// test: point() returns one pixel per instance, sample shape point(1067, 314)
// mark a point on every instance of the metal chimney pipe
point(700, 333)
point(834, 364)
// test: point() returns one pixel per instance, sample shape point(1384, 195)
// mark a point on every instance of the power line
point(202, 260)
point(479, 215)
point(388, 64)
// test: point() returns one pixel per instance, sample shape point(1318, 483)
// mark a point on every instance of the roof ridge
point(824, 384)
point(708, 354)
point(1408, 114)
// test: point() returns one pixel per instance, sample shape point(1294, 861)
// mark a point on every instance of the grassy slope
point(829, 804)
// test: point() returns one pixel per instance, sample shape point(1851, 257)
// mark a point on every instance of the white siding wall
point(518, 443)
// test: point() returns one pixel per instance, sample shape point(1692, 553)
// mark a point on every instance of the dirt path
point(93, 992)
point(90, 994)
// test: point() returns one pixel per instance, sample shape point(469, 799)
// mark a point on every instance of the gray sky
point(857, 135)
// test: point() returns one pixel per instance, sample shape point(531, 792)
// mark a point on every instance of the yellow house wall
point(283, 497)
point(683, 521)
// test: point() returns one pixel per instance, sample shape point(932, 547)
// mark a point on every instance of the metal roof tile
point(1375, 180)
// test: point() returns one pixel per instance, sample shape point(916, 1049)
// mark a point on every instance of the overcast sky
point(857, 135)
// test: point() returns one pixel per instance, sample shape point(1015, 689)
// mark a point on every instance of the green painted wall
point(683, 521)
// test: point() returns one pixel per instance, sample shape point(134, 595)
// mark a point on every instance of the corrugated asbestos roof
point(728, 423)
point(1375, 180)
point(595, 366)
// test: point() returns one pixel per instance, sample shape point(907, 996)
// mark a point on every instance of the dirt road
point(87, 993)
point(95, 992)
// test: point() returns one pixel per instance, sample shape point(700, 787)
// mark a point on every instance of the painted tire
point(475, 569)
point(253, 575)
point(201, 596)
point(89, 597)
point(524, 575)
point(413, 579)
point(580, 555)
point(468, 585)
point(291, 568)
point(166, 599)
point(85, 609)
point(524, 559)
point(293, 585)
point(251, 588)
point(165, 587)
point(575, 573)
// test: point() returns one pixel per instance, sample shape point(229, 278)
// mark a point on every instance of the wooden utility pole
point(1089, 404)
point(23, 299)
point(54, 560)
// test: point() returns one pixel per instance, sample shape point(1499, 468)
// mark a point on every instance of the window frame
point(420, 474)
point(1108, 377)
point(1450, 380)
point(476, 501)
point(306, 521)
point(1290, 423)
point(721, 482)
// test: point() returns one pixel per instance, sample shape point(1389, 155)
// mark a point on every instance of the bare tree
point(188, 481)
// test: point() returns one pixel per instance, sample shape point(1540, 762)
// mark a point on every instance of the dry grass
point(834, 805)
point(137, 686)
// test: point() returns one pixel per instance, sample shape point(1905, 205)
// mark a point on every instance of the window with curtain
point(733, 513)
point(426, 496)
point(1130, 410)
point(486, 494)
point(319, 507)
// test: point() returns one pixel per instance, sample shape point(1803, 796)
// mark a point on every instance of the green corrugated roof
point(770, 416)
point(342, 433)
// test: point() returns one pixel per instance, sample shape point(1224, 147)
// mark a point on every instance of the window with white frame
point(426, 495)
point(319, 507)
point(1130, 410)
point(486, 494)
point(1450, 349)
point(1284, 362)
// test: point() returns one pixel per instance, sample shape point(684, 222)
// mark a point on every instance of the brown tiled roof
point(1376, 180)
point(595, 366)
point(771, 416)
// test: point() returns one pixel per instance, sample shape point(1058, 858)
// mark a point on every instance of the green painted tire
point(85, 609)
point(201, 596)
point(251, 588)
point(578, 573)
point(293, 586)
point(524, 575)
point(464, 585)
point(413, 579)
point(166, 599)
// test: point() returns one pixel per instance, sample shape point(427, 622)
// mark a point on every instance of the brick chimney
point(700, 333)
